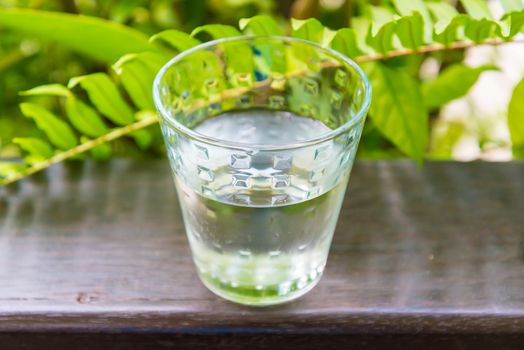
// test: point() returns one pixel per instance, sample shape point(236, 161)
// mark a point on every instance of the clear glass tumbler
point(261, 134)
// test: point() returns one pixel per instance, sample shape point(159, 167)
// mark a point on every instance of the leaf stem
point(152, 118)
point(83, 147)
point(260, 85)
point(432, 48)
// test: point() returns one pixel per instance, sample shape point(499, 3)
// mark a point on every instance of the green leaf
point(105, 96)
point(99, 152)
point(176, 39)
point(143, 138)
point(452, 83)
point(84, 118)
point(516, 119)
point(97, 38)
point(450, 33)
point(447, 22)
point(51, 89)
point(515, 22)
point(383, 40)
point(137, 72)
point(397, 109)
point(296, 54)
point(362, 26)
point(327, 36)
point(381, 34)
point(442, 12)
point(58, 132)
point(8, 169)
point(310, 29)
point(477, 8)
point(512, 5)
point(267, 58)
point(237, 54)
point(479, 30)
point(345, 42)
point(259, 25)
point(410, 31)
point(35, 147)
point(408, 7)
point(380, 16)
point(216, 31)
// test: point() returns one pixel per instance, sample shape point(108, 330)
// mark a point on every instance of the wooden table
point(94, 256)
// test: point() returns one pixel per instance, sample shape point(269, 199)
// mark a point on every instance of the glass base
point(260, 295)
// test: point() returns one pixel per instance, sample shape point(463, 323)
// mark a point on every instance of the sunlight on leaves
point(84, 118)
point(345, 42)
point(104, 94)
point(34, 146)
point(260, 25)
point(216, 31)
point(397, 109)
point(137, 72)
point(477, 8)
point(59, 132)
point(410, 31)
point(408, 7)
point(310, 29)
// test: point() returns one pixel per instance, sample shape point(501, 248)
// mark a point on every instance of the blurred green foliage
point(26, 62)
point(75, 55)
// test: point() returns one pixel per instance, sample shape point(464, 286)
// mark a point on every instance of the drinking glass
point(261, 134)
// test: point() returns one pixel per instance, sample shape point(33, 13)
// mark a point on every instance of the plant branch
point(261, 85)
point(152, 119)
point(432, 48)
point(86, 146)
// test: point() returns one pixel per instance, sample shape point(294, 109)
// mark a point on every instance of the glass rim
point(359, 115)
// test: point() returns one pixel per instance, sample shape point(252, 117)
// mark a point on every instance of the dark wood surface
point(94, 254)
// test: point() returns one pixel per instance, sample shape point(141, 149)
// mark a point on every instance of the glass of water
point(261, 134)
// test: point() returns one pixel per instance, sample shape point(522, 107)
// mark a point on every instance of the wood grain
point(94, 253)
